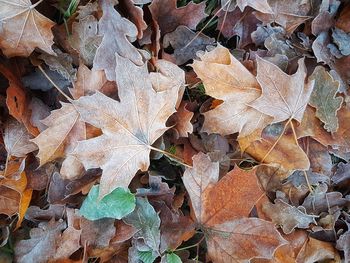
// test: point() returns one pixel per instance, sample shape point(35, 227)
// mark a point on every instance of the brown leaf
point(243, 239)
point(135, 15)
point(289, 14)
point(63, 131)
point(85, 38)
point(169, 17)
point(41, 246)
point(17, 139)
point(238, 23)
point(343, 243)
point(315, 250)
point(287, 216)
point(225, 78)
point(185, 43)
point(24, 29)
point(259, 5)
point(129, 127)
point(183, 125)
point(286, 153)
point(115, 30)
point(283, 96)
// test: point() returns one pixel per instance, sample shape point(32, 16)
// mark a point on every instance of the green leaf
point(146, 256)
point(117, 204)
point(324, 99)
point(171, 258)
point(146, 220)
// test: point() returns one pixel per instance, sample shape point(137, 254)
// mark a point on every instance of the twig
point(53, 83)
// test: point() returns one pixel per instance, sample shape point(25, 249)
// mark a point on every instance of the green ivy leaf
point(147, 256)
point(117, 204)
point(171, 258)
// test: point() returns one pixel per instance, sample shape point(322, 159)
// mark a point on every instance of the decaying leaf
point(129, 127)
point(23, 29)
point(324, 99)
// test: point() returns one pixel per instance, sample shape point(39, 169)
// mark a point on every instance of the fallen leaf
point(289, 14)
point(315, 250)
point(146, 221)
point(117, 204)
point(85, 38)
point(260, 5)
point(41, 246)
point(238, 23)
point(169, 17)
point(283, 96)
point(115, 30)
point(342, 173)
point(24, 29)
point(225, 242)
point(17, 139)
point(63, 130)
point(130, 135)
point(179, 40)
point(324, 99)
point(285, 153)
point(343, 243)
point(287, 216)
point(225, 78)
point(183, 125)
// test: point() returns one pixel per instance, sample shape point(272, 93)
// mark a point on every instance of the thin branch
point(278, 139)
point(172, 156)
point(53, 83)
point(297, 143)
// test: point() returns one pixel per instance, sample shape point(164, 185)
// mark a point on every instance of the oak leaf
point(324, 99)
point(24, 29)
point(129, 127)
point(258, 5)
point(225, 78)
point(115, 30)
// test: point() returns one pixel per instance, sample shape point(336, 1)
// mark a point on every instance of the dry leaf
point(17, 139)
point(169, 17)
point(283, 96)
point(24, 29)
point(324, 99)
point(225, 78)
point(116, 32)
point(129, 127)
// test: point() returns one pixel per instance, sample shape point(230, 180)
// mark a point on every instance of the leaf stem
point(278, 139)
point(211, 19)
point(53, 83)
point(36, 4)
point(191, 246)
point(305, 174)
point(170, 155)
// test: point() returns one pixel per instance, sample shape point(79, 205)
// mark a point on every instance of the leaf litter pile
point(175, 131)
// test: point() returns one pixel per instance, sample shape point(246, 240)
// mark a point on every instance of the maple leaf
point(289, 14)
point(115, 30)
point(220, 210)
point(24, 28)
point(225, 78)
point(129, 127)
point(283, 96)
point(324, 100)
point(259, 5)
point(169, 17)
